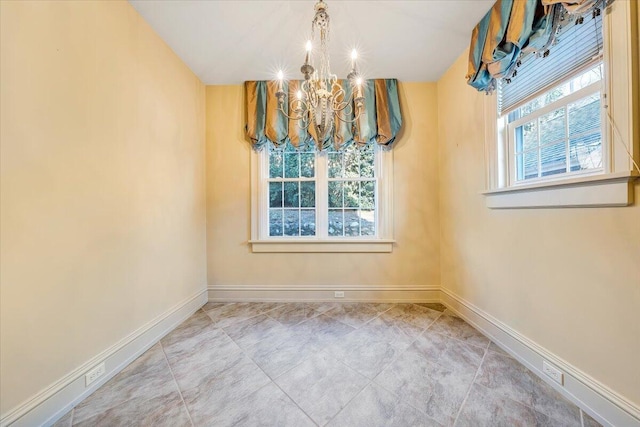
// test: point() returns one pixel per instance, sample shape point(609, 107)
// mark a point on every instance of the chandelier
point(321, 101)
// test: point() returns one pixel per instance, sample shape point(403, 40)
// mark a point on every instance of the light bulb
point(309, 46)
point(280, 75)
point(354, 54)
point(299, 94)
point(359, 81)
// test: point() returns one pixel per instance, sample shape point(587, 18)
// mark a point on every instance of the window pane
point(519, 167)
point(586, 152)
point(335, 194)
point(552, 127)
point(367, 164)
point(553, 159)
point(368, 223)
point(275, 194)
point(531, 164)
point(351, 163)
point(591, 76)
point(526, 136)
point(351, 222)
point(307, 222)
point(291, 165)
point(335, 165)
point(291, 199)
point(291, 222)
point(584, 115)
point(308, 194)
point(335, 222)
point(275, 222)
point(367, 195)
point(351, 194)
point(307, 165)
point(275, 164)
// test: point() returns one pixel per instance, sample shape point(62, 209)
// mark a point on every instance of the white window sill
point(305, 246)
point(613, 189)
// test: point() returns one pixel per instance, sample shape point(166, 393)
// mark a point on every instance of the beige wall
point(102, 185)
point(569, 279)
point(415, 258)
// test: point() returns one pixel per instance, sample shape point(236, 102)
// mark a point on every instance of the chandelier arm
point(300, 117)
point(303, 124)
point(349, 111)
point(341, 106)
point(355, 119)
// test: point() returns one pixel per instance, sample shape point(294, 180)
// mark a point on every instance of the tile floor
point(306, 364)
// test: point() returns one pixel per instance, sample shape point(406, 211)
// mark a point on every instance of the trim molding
point(50, 404)
point(602, 190)
point(599, 401)
point(315, 245)
point(325, 293)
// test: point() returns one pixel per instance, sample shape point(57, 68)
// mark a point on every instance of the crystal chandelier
point(321, 100)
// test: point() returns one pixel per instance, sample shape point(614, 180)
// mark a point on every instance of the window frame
point(261, 241)
point(593, 88)
point(611, 186)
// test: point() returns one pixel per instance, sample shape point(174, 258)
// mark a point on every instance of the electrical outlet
point(338, 294)
point(94, 374)
point(553, 372)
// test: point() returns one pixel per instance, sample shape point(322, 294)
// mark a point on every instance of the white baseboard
point(324, 293)
point(596, 399)
point(46, 407)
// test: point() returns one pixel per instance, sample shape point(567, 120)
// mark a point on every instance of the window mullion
point(568, 143)
point(322, 191)
point(263, 195)
point(539, 151)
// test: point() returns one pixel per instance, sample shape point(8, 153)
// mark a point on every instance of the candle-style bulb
point(299, 94)
point(280, 78)
point(307, 57)
point(358, 89)
point(354, 56)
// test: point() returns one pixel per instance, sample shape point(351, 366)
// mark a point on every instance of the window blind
point(576, 47)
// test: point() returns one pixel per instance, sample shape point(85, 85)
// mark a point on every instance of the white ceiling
point(230, 41)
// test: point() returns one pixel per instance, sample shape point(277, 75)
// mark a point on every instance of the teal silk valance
point(266, 124)
point(513, 29)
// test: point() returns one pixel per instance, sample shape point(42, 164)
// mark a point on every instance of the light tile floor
point(304, 364)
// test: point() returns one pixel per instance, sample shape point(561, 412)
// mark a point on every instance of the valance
point(266, 124)
point(513, 29)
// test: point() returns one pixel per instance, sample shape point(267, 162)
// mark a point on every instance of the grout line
point(272, 381)
point(292, 400)
point(458, 340)
point(317, 313)
point(352, 399)
point(176, 383)
point(470, 387)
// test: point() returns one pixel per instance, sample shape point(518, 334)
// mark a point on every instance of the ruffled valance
point(266, 124)
point(513, 28)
